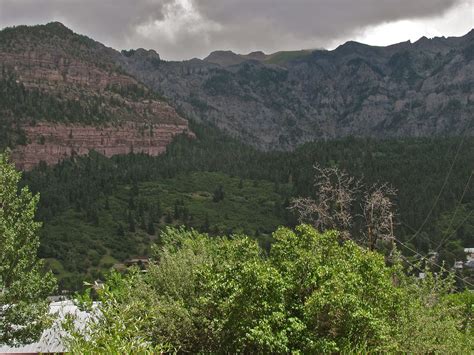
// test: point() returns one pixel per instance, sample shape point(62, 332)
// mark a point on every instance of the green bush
point(312, 293)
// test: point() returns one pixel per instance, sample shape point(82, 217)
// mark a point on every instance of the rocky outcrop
point(51, 143)
point(285, 99)
point(54, 58)
point(225, 58)
point(68, 95)
point(55, 71)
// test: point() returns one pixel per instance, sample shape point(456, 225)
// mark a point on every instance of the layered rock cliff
point(52, 142)
point(275, 101)
point(65, 94)
point(282, 100)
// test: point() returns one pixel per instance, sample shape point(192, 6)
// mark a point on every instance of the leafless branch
point(335, 192)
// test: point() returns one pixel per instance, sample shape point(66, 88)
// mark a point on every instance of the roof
point(50, 341)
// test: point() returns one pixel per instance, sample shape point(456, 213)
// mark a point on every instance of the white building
point(51, 339)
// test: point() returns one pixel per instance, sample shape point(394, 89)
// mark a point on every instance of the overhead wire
point(448, 175)
point(446, 238)
point(424, 257)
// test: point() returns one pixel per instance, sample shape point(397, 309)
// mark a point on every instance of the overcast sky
point(183, 29)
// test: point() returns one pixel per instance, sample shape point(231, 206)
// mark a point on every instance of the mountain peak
point(224, 58)
point(56, 24)
point(141, 52)
point(470, 34)
point(256, 55)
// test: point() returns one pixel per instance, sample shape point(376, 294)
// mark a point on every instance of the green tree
point(218, 194)
point(314, 293)
point(131, 222)
point(23, 286)
point(150, 228)
point(112, 332)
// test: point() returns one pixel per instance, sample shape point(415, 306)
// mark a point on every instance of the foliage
point(313, 293)
point(286, 56)
point(76, 190)
point(122, 325)
point(342, 293)
point(19, 105)
point(434, 320)
point(23, 285)
point(81, 244)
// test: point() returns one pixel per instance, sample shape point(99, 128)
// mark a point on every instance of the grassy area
point(285, 56)
point(83, 244)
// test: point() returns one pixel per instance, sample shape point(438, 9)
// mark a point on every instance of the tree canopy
point(23, 286)
point(313, 292)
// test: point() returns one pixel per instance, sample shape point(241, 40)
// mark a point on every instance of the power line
point(441, 190)
point(424, 257)
point(454, 215)
point(455, 230)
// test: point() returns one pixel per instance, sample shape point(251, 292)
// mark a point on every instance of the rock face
point(51, 143)
point(282, 100)
point(55, 59)
point(68, 95)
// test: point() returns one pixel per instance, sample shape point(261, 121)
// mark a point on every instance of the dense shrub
point(312, 293)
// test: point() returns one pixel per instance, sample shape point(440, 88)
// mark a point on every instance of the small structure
point(470, 264)
point(141, 262)
point(469, 253)
point(51, 340)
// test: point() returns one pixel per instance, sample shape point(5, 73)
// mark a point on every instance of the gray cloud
point(187, 28)
point(111, 20)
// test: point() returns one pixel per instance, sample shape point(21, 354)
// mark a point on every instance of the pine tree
point(206, 225)
point(158, 211)
point(131, 222)
point(176, 213)
point(120, 231)
point(151, 228)
point(218, 194)
point(143, 225)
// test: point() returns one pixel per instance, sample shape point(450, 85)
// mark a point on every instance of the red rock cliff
point(103, 108)
point(52, 143)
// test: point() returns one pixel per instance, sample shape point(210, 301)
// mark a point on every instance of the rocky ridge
point(280, 101)
point(79, 91)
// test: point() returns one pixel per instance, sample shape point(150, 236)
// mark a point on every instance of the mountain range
point(282, 100)
point(66, 94)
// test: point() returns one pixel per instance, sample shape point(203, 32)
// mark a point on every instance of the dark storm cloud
point(111, 20)
point(186, 28)
point(321, 18)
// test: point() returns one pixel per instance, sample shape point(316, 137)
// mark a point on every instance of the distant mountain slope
point(280, 101)
point(65, 94)
point(228, 58)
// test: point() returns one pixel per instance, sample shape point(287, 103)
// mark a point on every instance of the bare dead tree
point(336, 195)
point(332, 208)
point(378, 212)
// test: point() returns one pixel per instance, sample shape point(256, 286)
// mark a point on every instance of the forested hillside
point(62, 94)
point(120, 204)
